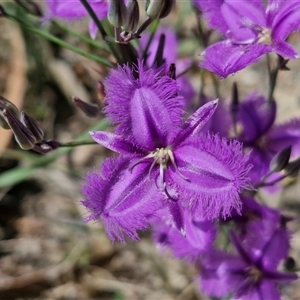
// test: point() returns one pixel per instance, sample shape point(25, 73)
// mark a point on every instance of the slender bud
point(159, 9)
point(10, 108)
point(293, 168)
point(282, 64)
point(280, 160)
point(234, 105)
point(117, 14)
point(133, 13)
point(22, 134)
point(33, 126)
point(159, 56)
point(172, 71)
point(90, 110)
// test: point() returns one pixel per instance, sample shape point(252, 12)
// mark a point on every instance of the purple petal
point(147, 109)
point(241, 16)
point(73, 9)
point(214, 272)
point(256, 116)
point(285, 50)
point(123, 200)
point(212, 13)
point(211, 173)
point(224, 58)
point(175, 211)
point(115, 143)
point(196, 122)
point(286, 20)
point(284, 135)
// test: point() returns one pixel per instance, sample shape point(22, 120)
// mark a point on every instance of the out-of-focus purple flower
point(204, 173)
point(199, 234)
point(170, 55)
point(251, 30)
point(73, 10)
point(252, 273)
point(256, 119)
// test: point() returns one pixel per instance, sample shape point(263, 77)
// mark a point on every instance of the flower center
point(264, 36)
point(162, 157)
point(255, 274)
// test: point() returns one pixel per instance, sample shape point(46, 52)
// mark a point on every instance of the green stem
point(273, 74)
point(100, 27)
point(58, 41)
point(19, 174)
point(75, 144)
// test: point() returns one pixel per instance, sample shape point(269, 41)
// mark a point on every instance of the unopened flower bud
point(172, 71)
point(10, 108)
point(22, 134)
point(280, 160)
point(133, 13)
point(292, 169)
point(89, 109)
point(234, 105)
point(33, 126)
point(159, 9)
point(117, 13)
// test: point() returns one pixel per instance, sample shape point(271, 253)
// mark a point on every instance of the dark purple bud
point(282, 64)
point(172, 71)
point(290, 264)
point(22, 134)
point(46, 146)
point(33, 126)
point(292, 169)
point(133, 16)
point(159, 9)
point(159, 57)
point(90, 110)
point(234, 106)
point(280, 160)
point(10, 108)
point(117, 13)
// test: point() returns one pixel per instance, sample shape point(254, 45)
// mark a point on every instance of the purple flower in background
point(251, 30)
point(252, 273)
point(204, 173)
point(199, 234)
point(73, 10)
point(258, 133)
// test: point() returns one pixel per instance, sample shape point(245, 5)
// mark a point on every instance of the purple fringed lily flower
point(258, 132)
point(251, 30)
point(204, 173)
point(73, 10)
point(252, 273)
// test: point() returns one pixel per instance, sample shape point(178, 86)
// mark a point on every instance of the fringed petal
point(123, 200)
point(145, 109)
point(211, 173)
